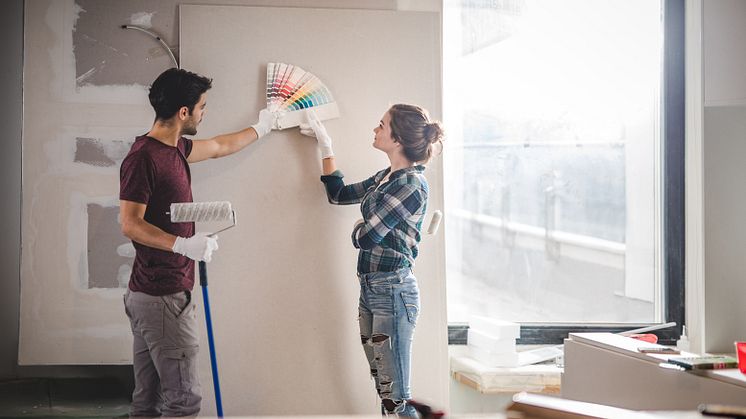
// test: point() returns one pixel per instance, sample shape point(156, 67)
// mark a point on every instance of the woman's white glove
point(314, 128)
point(265, 123)
point(198, 247)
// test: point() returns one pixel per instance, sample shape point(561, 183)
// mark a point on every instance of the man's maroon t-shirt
point(157, 175)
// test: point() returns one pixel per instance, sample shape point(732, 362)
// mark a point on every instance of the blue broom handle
point(210, 340)
point(203, 273)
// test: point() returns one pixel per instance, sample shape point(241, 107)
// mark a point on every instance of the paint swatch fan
point(291, 89)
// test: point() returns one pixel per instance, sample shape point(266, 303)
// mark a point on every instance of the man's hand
point(198, 247)
point(265, 123)
point(314, 128)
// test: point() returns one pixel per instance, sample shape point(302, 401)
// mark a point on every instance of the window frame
point(673, 93)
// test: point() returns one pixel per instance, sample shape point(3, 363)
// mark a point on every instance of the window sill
point(537, 378)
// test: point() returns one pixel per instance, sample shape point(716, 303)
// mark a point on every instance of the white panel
point(694, 177)
point(724, 34)
point(725, 238)
point(283, 285)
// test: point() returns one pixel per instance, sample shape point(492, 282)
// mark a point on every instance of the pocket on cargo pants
point(180, 381)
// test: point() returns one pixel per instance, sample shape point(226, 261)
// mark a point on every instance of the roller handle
point(203, 273)
point(211, 339)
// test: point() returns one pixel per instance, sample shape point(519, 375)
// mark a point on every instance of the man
point(158, 301)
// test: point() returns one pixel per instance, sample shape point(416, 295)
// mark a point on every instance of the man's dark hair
point(175, 88)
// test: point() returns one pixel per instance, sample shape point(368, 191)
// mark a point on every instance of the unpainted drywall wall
point(77, 127)
point(73, 138)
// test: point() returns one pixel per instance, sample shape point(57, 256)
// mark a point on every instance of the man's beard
point(189, 129)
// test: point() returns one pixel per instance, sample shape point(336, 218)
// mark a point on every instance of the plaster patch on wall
point(64, 19)
point(142, 19)
point(123, 275)
point(108, 331)
point(130, 94)
point(77, 10)
point(104, 240)
point(94, 237)
point(127, 250)
point(97, 152)
point(77, 150)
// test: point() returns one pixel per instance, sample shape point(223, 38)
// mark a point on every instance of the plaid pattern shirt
point(392, 211)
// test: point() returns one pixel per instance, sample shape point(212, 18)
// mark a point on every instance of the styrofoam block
point(489, 342)
point(492, 359)
point(499, 329)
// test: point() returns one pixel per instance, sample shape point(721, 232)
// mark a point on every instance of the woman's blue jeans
point(389, 307)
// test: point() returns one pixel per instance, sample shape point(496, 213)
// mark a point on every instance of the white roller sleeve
point(201, 211)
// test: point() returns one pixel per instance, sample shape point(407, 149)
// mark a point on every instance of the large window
point(564, 204)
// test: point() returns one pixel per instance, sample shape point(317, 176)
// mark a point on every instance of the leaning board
point(283, 286)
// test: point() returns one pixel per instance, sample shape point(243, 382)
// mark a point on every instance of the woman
point(393, 204)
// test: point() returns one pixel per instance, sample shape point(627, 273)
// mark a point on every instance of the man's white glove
point(265, 123)
point(198, 247)
point(314, 128)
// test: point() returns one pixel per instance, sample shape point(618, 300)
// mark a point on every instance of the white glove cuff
point(261, 131)
point(326, 152)
point(178, 244)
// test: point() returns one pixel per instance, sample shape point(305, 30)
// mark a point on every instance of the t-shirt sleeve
point(187, 146)
point(137, 178)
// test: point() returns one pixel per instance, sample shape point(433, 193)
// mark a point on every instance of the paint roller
point(432, 228)
point(190, 212)
point(217, 211)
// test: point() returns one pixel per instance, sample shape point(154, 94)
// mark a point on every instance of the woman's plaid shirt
point(392, 211)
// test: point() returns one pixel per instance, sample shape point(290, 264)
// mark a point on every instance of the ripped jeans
point(389, 307)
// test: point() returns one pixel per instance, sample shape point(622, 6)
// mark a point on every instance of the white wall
point(724, 55)
point(286, 275)
point(725, 226)
point(724, 173)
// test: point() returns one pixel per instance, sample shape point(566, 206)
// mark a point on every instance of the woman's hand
point(314, 128)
